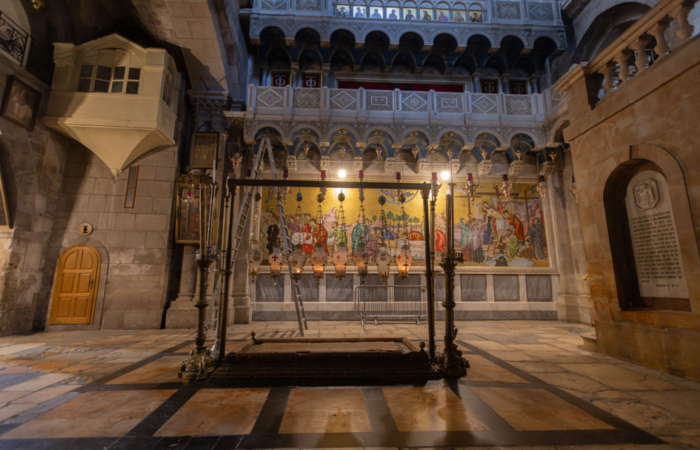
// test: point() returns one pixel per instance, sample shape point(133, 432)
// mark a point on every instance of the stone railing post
point(659, 31)
point(642, 61)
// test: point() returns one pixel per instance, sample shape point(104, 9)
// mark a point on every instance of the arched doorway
point(75, 289)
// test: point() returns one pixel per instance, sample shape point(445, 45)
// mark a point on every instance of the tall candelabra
point(453, 365)
point(200, 364)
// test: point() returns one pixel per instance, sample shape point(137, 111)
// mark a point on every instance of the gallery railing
point(395, 104)
point(380, 302)
point(13, 39)
point(645, 42)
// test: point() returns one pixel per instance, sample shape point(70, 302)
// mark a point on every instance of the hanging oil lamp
point(318, 257)
point(297, 260)
point(360, 256)
point(383, 257)
point(542, 187)
point(275, 260)
point(404, 259)
point(255, 257)
point(553, 154)
point(378, 150)
point(471, 186)
point(415, 150)
point(340, 256)
point(506, 187)
point(573, 190)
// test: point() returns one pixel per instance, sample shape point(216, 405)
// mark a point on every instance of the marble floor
point(531, 385)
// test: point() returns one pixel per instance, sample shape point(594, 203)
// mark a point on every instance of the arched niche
point(650, 268)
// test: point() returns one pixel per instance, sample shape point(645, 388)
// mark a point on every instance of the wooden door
point(76, 286)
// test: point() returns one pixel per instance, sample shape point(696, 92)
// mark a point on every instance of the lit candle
point(323, 175)
point(398, 176)
point(361, 175)
point(470, 177)
point(435, 176)
point(201, 221)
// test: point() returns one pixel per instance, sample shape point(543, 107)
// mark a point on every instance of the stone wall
point(32, 169)
point(135, 243)
point(652, 117)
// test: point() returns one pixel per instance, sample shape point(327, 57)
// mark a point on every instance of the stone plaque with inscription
point(657, 252)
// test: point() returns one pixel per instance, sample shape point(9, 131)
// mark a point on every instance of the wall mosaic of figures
point(489, 231)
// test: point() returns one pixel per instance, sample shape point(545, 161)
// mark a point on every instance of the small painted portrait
point(426, 16)
point(443, 15)
point(360, 12)
point(476, 16)
point(21, 103)
point(409, 14)
point(393, 15)
point(459, 16)
point(341, 10)
point(377, 14)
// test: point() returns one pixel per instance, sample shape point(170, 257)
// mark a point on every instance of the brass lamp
point(275, 260)
point(297, 260)
point(361, 257)
point(255, 257)
point(318, 259)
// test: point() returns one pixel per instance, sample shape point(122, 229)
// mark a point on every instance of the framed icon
point(204, 150)
point(21, 103)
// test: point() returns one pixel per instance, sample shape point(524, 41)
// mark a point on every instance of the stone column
point(240, 309)
point(182, 313)
point(573, 298)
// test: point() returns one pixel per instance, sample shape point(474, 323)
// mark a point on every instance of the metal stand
point(429, 277)
point(451, 361)
point(199, 365)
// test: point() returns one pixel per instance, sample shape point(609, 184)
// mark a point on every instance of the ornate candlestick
point(200, 364)
point(451, 361)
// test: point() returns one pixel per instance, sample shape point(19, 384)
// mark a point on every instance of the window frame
point(135, 170)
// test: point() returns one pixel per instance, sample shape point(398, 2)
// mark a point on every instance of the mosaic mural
point(489, 231)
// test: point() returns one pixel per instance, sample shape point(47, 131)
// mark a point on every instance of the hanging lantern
point(340, 256)
point(573, 190)
point(383, 260)
point(553, 154)
point(275, 260)
point(379, 151)
point(318, 259)
point(255, 257)
point(296, 261)
point(506, 188)
point(415, 150)
point(542, 187)
point(471, 186)
point(404, 259)
point(307, 147)
point(361, 258)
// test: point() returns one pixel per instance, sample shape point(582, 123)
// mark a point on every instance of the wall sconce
point(506, 188)
point(275, 260)
point(542, 187)
point(340, 261)
point(471, 186)
point(573, 190)
point(255, 257)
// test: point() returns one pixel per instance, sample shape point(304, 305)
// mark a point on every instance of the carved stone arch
point(511, 33)
point(437, 31)
point(350, 30)
point(553, 36)
point(420, 33)
point(439, 135)
point(486, 35)
point(408, 132)
point(258, 127)
point(384, 31)
point(311, 26)
point(351, 131)
point(259, 27)
point(493, 131)
point(555, 134)
point(311, 127)
point(386, 130)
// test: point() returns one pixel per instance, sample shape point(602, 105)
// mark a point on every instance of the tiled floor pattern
point(531, 385)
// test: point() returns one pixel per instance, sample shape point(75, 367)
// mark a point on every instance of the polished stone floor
point(531, 385)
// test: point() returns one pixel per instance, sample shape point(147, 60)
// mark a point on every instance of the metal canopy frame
point(424, 188)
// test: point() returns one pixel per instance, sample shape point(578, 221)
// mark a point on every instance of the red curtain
point(400, 86)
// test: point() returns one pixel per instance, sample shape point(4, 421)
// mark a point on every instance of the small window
point(109, 71)
point(131, 182)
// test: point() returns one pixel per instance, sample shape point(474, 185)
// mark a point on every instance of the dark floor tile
point(92, 443)
point(172, 443)
point(228, 443)
point(37, 444)
point(135, 443)
point(202, 443)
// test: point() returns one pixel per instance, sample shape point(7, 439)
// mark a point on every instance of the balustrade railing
point(378, 103)
point(13, 39)
point(645, 42)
